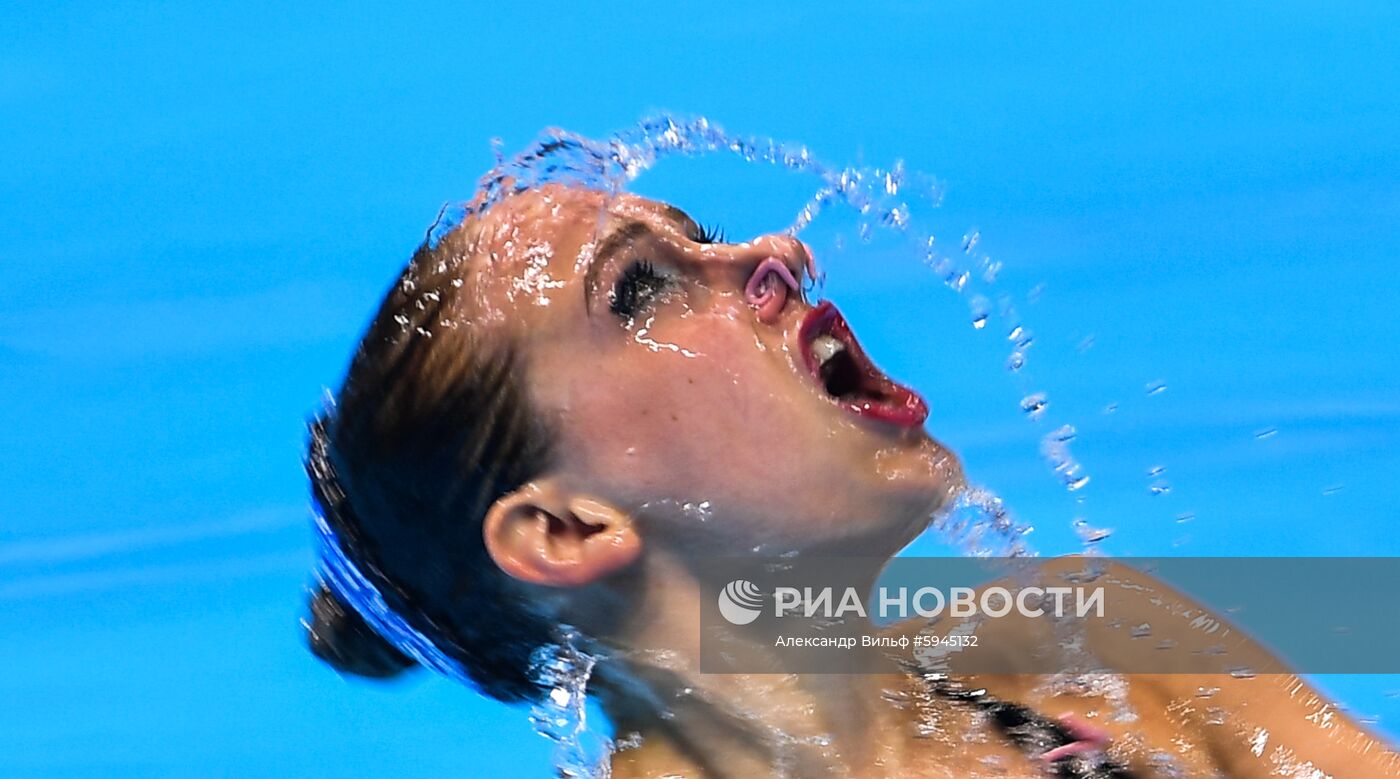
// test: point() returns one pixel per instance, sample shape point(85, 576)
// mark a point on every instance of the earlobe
point(543, 535)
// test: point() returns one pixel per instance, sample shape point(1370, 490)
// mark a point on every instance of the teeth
point(824, 347)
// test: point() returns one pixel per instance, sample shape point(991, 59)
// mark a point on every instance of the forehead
point(533, 248)
point(557, 214)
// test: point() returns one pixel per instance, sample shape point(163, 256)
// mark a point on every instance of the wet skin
point(688, 404)
point(698, 396)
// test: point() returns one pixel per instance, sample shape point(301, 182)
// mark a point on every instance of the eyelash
point(635, 288)
point(709, 234)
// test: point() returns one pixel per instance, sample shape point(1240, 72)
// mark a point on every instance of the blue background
point(200, 205)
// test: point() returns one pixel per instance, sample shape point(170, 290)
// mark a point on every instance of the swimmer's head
point(572, 383)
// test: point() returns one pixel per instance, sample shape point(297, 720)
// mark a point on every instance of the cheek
point(681, 413)
point(735, 426)
point(690, 408)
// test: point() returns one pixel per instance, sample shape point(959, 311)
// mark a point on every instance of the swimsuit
point(1057, 742)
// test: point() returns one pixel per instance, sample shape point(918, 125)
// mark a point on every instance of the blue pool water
point(199, 208)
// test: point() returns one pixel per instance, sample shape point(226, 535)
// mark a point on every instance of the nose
point(778, 262)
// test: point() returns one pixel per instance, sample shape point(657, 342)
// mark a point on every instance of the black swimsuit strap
point(1031, 731)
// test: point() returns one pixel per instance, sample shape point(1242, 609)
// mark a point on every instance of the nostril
point(761, 284)
point(768, 289)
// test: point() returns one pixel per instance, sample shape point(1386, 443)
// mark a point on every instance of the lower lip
point(908, 410)
point(904, 407)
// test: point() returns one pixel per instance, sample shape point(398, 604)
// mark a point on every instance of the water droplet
point(1089, 534)
point(1268, 432)
point(701, 512)
point(969, 241)
point(1110, 408)
point(1086, 344)
point(1241, 673)
point(1159, 487)
point(892, 183)
point(1165, 765)
point(980, 311)
point(1207, 692)
point(1333, 490)
point(1034, 295)
point(1055, 449)
point(1185, 517)
point(1156, 387)
point(1016, 361)
point(1142, 631)
point(1034, 405)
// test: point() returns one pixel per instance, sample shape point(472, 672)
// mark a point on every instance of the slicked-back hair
point(432, 425)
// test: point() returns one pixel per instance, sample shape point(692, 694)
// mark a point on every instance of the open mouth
point(839, 366)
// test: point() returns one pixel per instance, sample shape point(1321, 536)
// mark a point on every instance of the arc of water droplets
point(560, 156)
point(874, 193)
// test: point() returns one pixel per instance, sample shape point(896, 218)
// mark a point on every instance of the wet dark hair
point(431, 426)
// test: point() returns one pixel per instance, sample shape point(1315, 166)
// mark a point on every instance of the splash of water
point(564, 668)
point(980, 525)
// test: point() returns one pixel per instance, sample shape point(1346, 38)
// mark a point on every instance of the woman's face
point(691, 385)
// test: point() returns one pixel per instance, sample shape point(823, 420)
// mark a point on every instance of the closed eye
point(635, 288)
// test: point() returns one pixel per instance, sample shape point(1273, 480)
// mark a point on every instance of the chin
point(884, 510)
point(917, 482)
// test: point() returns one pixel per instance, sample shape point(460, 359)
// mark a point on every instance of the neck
point(728, 725)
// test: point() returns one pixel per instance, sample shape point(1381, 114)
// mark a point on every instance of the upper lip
point(863, 388)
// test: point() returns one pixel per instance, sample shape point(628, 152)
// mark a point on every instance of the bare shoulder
point(1209, 678)
point(1185, 673)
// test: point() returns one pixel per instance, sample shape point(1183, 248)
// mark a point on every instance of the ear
point(543, 534)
